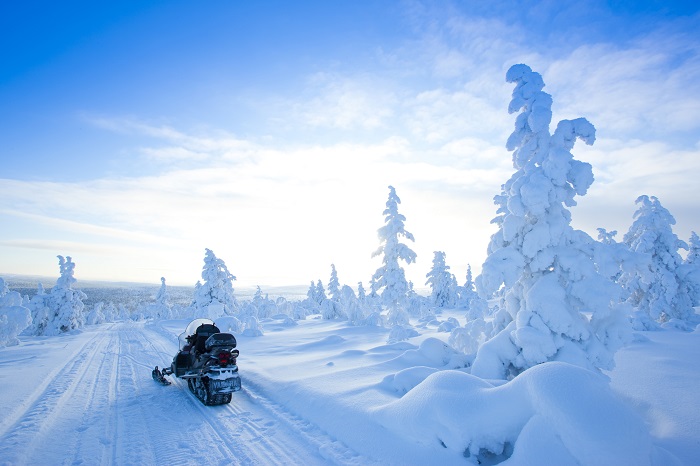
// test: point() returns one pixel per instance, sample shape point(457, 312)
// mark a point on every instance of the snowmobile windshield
point(192, 329)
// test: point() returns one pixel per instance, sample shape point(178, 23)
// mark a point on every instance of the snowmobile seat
point(203, 332)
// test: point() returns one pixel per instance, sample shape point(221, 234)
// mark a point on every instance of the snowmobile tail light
point(224, 358)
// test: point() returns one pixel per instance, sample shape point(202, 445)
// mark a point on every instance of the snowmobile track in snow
point(101, 406)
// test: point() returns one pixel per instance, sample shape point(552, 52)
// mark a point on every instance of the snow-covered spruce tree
point(65, 305)
point(163, 297)
point(692, 266)
point(320, 293)
point(334, 285)
point(468, 291)
point(614, 259)
point(441, 282)
point(161, 308)
point(361, 293)
point(332, 308)
point(38, 306)
point(390, 277)
point(666, 295)
point(693, 256)
point(214, 298)
point(559, 306)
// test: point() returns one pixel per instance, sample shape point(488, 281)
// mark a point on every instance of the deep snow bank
point(553, 413)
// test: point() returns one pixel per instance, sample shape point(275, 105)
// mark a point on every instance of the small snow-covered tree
point(38, 306)
point(161, 309)
point(692, 268)
point(163, 297)
point(214, 298)
point(320, 293)
point(311, 293)
point(14, 317)
point(61, 309)
point(693, 256)
point(390, 277)
point(559, 306)
point(361, 293)
point(666, 295)
point(334, 285)
point(441, 282)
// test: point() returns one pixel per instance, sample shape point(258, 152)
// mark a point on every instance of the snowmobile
point(207, 360)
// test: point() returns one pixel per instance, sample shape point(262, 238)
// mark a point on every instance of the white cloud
point(345, 102)
point(173, 154)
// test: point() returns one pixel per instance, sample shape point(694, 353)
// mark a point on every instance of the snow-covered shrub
point(300, 311)
point(96, 316)
point(229, 324)
point(14, 317)
point(252, 327)
point(469, 338)
point(401, 333)
point(544, 269)
point(332, 310)
point(663, 294)
point(214, 297)
point(265, 307)
point(375, 319)
point(283, 306)
point(447, 326)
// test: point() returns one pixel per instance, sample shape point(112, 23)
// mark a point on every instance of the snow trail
point(99, 405)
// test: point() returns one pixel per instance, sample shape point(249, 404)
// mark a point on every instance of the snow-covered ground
point(326, 392)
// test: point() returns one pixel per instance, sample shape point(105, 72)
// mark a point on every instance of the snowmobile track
point(101, 406)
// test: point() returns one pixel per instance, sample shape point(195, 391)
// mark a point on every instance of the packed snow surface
point(327, 392)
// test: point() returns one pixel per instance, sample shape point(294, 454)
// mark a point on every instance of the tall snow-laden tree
point(214, 297)
point(559, 306)
point(390, 277)
point(666, 294)
point(441, 282)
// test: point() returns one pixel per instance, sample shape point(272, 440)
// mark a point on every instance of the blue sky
point(134, 135)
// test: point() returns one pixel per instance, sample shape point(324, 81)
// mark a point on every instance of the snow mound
point(553, 413)
point(405, 380)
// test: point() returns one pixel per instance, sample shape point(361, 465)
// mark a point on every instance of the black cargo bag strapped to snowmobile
point(220, 341)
